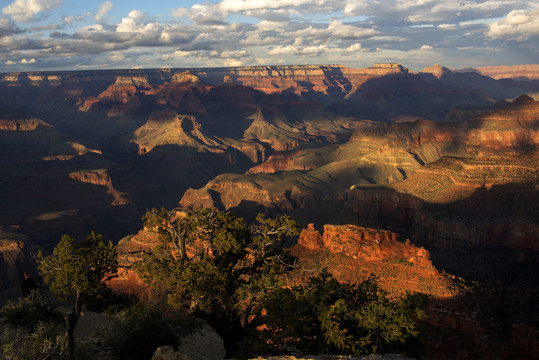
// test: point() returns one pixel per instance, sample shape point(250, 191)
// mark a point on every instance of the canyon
point(428, 178)
point(82, 147)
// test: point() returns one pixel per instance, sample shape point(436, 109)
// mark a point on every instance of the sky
point(122, 34)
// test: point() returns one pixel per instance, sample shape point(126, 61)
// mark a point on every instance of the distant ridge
point(529, 72)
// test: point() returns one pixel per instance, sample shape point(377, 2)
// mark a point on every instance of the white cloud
point(348, 32)
point(22, 61)
point(26, 10)
point(258, 31)
point(447, 26)
point(267, 25)
point(233, 62)
point(132, 22)
point(354, 48)
point(180, 12)
point(104, 8)
point(205, 14)
point(182, 54)
point(518, 25)
point(249, 5)
point(293, 50)
point(230, 54)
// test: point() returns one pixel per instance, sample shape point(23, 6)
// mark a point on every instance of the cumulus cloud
point(206, 14)
point(293, 50)
point(281, 31)
point(202, 14)
point(26, 10)
point(356, 47)
point(104, 8)
point(22, 61)
point(248, 5)
point(518, 24)
point(403, 11)
point(134, 22)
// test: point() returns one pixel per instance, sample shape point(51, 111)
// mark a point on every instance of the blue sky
point(79, 35)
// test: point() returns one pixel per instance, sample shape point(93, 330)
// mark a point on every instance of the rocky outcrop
point(283, 161)
point(386, 69)
point(170, 128)
point(363, 243)
point(130, 250)
point(352, 253)
point(100, 177)
point(185, 78)
point(247, 199)
point(436, 70)
point(125, 90)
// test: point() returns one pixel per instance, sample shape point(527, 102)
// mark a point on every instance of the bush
point(137, 332)
point(27, 313)
point(110, 302)
point(325, 316)
point(45, 342)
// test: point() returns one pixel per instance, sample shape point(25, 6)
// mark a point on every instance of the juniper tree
point(217, 267)
point(81, 270)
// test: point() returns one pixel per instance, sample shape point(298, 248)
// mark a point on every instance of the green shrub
point(45, 342)
point(325, 316)
point(137, 332)
point(27, 313)
point(110, 302)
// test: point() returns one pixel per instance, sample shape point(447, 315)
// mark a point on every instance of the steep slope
point(452, 185)
point(372, 155)
point(476, 213)
point(168, 128)
point(376, 154)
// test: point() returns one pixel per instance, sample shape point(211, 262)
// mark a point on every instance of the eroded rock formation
point(101, 178)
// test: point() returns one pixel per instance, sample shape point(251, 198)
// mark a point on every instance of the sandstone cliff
point(101, 178)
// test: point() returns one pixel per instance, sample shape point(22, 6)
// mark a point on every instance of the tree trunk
point(231, 334)
point(71, 321)
point(231, 339)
